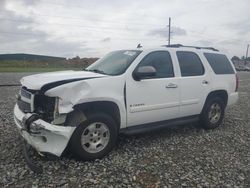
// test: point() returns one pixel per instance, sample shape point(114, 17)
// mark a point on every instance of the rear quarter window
point(219, 63)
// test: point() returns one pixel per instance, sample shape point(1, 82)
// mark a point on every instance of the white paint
point(36, 81)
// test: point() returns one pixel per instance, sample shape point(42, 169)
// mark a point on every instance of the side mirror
point(144, 72)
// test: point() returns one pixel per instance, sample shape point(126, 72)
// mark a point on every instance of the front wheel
point(213, 113)
point(95, 137)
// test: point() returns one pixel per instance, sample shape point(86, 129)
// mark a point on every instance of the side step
point(137, 129)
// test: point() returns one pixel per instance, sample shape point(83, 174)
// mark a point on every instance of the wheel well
point(108, 107)
point(219, 93)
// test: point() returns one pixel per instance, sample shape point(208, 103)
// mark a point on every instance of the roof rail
point(196, 47)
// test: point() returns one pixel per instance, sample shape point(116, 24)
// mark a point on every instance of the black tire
point(205, 121)
point(75, 143)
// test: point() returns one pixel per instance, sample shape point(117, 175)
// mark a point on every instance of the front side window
point(190, 64)
point(162, 63)
point(114, 63)
point(219, 63)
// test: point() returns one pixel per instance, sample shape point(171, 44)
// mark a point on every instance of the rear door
point(195, 83)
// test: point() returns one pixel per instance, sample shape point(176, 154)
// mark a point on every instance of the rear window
point(219, 63)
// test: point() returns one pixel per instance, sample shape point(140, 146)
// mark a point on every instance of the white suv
point(127, 91)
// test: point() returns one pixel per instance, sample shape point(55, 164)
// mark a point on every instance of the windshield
point(114, 63)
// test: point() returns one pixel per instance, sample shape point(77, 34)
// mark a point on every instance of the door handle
point(205, 82)
point(171, 85)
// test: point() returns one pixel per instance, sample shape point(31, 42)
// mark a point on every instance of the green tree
point(235, 58)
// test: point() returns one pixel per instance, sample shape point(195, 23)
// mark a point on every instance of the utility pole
point(246, 54)
point(169, 30)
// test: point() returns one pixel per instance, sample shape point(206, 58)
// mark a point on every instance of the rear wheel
point(95, 137)
point(213, 113)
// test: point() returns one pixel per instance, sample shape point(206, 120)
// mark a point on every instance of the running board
point(137, 129)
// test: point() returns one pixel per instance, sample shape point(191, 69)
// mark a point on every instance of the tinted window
point(190, 64)
point(219, 63)
point(162, 63)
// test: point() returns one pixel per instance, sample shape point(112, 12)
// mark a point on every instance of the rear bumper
point(50, 138)
point(233, 98)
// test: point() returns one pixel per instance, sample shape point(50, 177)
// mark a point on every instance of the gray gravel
point(184, 156)
point(12, 78)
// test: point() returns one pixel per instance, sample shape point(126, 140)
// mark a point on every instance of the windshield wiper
point(95, 70)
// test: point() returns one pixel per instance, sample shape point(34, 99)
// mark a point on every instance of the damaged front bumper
point(43, 136)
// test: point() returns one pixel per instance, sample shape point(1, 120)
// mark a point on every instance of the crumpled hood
point(37, 81)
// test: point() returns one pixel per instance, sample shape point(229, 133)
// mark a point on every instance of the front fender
point(81, 92)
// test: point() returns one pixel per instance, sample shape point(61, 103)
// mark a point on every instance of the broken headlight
point(45, 107)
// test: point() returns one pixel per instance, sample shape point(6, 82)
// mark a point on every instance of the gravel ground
point(12, 78)
point(183, 156)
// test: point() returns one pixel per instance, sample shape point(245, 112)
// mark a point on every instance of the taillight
point(237, 82)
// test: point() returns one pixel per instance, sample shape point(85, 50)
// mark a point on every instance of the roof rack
point(196, 47)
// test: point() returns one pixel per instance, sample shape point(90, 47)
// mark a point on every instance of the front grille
point(25, 93)
point(24, 106)
point(31, 101)
point(25, 102)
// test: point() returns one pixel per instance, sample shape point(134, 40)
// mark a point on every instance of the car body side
point(115, 90)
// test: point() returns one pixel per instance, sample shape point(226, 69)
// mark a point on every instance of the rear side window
point(190, 64)
point(162, 63)
point(219, 63)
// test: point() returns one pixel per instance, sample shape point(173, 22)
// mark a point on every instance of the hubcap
point(214, 113)
point(95, 137)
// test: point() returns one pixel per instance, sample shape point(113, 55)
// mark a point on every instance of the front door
point(154, 98)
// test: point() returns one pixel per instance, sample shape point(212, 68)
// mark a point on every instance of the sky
point(93, 28)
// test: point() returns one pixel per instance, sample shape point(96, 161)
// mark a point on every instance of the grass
point(34, 66)
point(34, 69)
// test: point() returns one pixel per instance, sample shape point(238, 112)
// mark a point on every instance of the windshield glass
point(114, 63)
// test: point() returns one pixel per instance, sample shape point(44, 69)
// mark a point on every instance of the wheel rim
point(214, 113)
point(95, 137)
